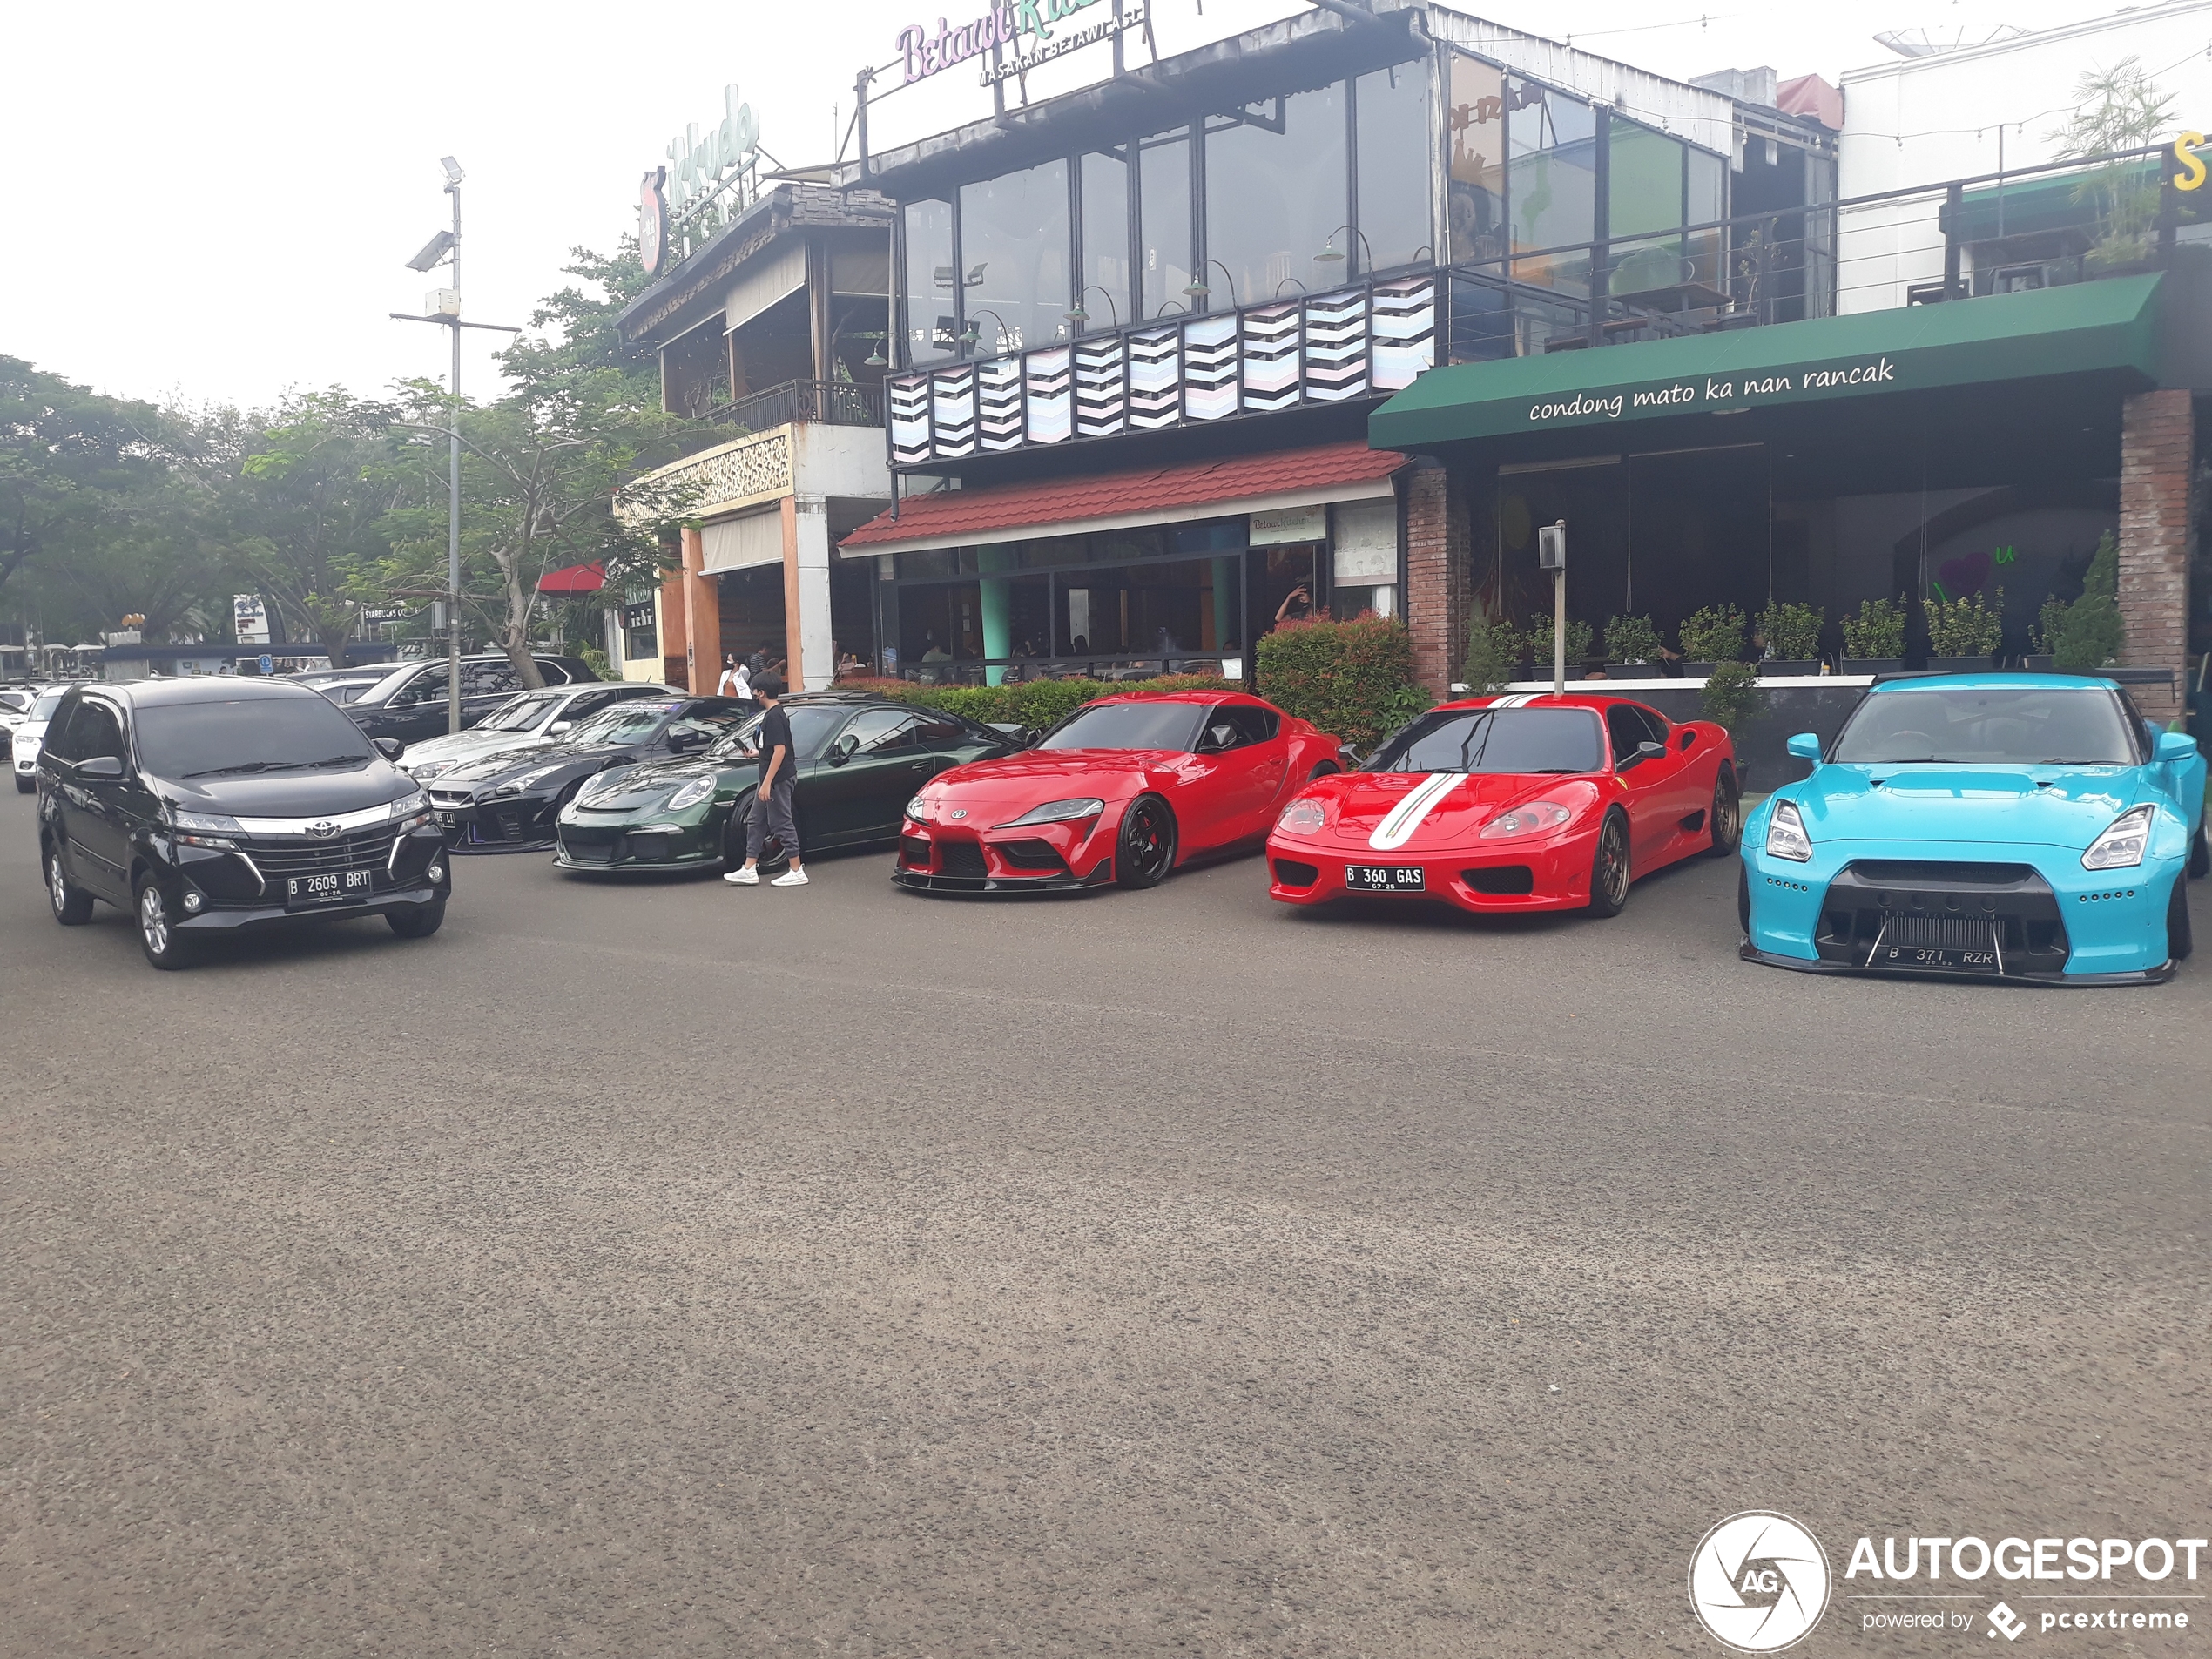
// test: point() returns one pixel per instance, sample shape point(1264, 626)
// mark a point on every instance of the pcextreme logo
point(1759, 1582)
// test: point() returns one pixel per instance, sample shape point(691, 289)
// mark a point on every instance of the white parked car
point(26, 738)
point(527, 720)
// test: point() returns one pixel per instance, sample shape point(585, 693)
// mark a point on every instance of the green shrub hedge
point(1037, 704)
point(1352, 679)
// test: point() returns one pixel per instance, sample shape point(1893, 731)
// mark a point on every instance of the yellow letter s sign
point(2192, 172)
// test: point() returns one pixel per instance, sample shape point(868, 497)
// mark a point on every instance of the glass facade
point(1163, 248)
point(1106, 272)
point(1391, 111)
point(1277, 190)
point(1014, 241)
point(931, 307)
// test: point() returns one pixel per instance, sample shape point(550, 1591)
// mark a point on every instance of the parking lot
point(678, 1269)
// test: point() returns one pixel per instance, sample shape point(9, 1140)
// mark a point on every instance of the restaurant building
point(771, 330)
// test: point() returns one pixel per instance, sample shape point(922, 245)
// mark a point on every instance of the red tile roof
point(1043, 504)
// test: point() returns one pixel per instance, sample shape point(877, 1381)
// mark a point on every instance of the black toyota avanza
point(224, 805)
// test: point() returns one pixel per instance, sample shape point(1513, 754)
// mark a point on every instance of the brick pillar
point(2157, 445)
point(1436, 550)
point(702, 619)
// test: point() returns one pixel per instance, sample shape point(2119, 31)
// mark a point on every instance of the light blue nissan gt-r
point(2029, 826)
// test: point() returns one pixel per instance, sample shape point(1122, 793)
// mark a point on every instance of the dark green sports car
point(860, 759)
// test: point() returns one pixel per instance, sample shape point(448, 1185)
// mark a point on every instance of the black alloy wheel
point(72, 904)
point(2178, 940)
point(1145, 851)
point(1609, 874)
point(418, 923)
point(2200, 852)
point(158, 936)
point(1726, 818)
point(1743, 900)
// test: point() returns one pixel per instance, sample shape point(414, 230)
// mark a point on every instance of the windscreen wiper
point(221, 771)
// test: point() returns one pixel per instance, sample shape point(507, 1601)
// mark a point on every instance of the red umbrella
point(575, 578)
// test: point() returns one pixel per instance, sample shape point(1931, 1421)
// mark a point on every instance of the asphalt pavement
point(684, 1269)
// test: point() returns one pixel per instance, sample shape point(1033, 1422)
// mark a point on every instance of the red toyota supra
point(1516, 803)
point(1123, 790)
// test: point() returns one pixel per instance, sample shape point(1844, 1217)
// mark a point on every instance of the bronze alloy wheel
point(1610, 867)
point(1727, 819)
point(1145, 850)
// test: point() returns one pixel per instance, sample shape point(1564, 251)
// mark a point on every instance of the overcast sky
point(240, 185)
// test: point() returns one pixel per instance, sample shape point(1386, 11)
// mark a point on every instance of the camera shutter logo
point(1758, 1581)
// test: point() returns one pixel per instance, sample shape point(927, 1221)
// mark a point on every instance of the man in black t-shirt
point(772, 800)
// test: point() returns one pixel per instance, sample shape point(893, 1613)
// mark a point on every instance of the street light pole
point(452, 477)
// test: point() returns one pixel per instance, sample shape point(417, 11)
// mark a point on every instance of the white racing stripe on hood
point(1404, 817)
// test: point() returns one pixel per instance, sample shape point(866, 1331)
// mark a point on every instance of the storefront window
point(1163, 203)
point(931, 309)
point(1106, 290)
point(1644, 188)
point(1476, 122)
point(1392, 121)
point(1013, 239)
point(1707, 194)
point(1275, 193)
point(1553, 185)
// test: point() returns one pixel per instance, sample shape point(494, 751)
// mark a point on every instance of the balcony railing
point(823, 402)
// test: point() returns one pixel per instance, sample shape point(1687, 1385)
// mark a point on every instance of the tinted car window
point(624, 723)
point(521, 714)
point(247, 734)
point(1628, 728)
point(811, 726)
point(1496, 741)
point(552, 672)
point(489, 679)
point(585, 705)
point(58, 721)
point(2020, 726)
point(94, 730)
point(1127, 726)
point(879, 730)
point(43, 708)
point(14, 702)
point(711, 723)
point(429, 685)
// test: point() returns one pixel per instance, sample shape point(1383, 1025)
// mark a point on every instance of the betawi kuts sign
point(1008, 25)
point(1696, 392)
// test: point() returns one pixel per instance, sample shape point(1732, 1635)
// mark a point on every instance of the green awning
point(2088, 327)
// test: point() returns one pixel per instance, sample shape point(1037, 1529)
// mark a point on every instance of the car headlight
point(1537, 818)
point(1303, 818)
point(205, 829)
point(411, 805)
point(691, 794)
point(528, 780)
point(917, 810)
point(2124, 842)
point(427, 769)
point(1786, 835)
point(1058, 812)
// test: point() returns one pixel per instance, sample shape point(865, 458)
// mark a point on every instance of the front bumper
point(1043, 857)
point(243, 891)
point(644, 848)
point(1501, 878)
point(2044, 918)
point(505, 824)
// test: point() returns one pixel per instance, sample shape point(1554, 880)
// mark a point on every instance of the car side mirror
point(101, 766)
point(390, 748)
point(844, 749)
point(560, 728)
point(1648, 749)
point(684, 742)
point(1806, 746)
point(2176, 745)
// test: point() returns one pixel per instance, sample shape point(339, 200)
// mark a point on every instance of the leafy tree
point(2120, 108)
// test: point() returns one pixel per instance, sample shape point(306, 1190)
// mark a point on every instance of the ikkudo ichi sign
point(1713, 392)
point(1009, 25)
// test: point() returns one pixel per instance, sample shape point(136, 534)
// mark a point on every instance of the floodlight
point(452, 167)
point(434, 250)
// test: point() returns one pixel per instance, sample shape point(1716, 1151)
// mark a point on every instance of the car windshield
point(522, 713)
point(43, 708)
point(2008, 725)
point(1496, 741)
point(625, 723)
point(204, 739)
point(1127, 726)
point(811, 725)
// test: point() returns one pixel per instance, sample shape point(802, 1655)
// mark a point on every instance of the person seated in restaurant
point(1297, 606)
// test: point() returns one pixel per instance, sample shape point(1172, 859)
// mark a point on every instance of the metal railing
point(821, 402)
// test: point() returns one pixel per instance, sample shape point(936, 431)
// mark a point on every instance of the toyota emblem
point(323, 830)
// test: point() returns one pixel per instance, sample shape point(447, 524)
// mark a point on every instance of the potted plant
point(2049, 624)
point(1874, 638)
point(1792, 634)
point(1493, 655)
point(1632, 643)
point(1711, 636)
point(1964, 633)
point(1539, 644)
point(1732, 698)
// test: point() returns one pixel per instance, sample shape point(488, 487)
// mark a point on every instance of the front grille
point(1292, 873)
point(914, 852)
point(508, 824)
point(1966, 932)
point(1032, 855)
point(648, 846)
point(584, 851)
point(1934, 872)
point(366, 849)
point(961, 858)
point(1937, 904)
point(1501, 881)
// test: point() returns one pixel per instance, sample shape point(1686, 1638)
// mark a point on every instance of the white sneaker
point(789, 878)
point(744, 877)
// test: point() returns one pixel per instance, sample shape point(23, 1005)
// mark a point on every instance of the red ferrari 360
point(1525, 802)
point(1123, 790)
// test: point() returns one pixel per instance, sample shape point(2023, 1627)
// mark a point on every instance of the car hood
point(494, 768)
point(649, 783)
point(1040, 775)
point(1432, 809)
point(455, 747)
point(291, 794)
point(2065, 806)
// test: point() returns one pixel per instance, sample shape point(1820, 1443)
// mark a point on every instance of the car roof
point(1244, 699)
point(206, 688)
point(1596, 701)
point(2019, 680)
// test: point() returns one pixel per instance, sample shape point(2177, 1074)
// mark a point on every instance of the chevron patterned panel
point(951, 412)
point(1209, 368)
point(1156, 378)
point(1270, 358)
point(1052, 394)
point(1405, 333)
point(908, 399)
point(998, 402)
point(1101, 405)
point(1336, 347)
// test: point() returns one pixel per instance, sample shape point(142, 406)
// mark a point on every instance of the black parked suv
point(409, 704)
point(223, 805)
